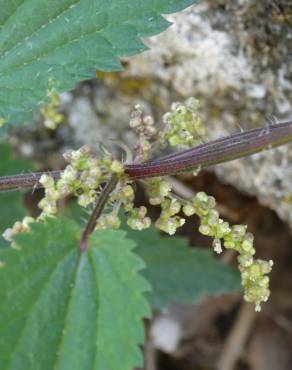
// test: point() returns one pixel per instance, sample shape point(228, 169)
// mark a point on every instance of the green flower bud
point(169, 225)
point(174, 140)
point(139, 224)
point(211, 202)
point(213, 217)
point(85, 199)
point(110, 220)
point(201, 197)
point(222, 229)
point(63, 188)
point(47, 181)
point(229, 244)
point(164, 188)
point(155, 201)
point(69, 174)
point(183, 125)
point(52, 194)
point(245, 261)
point(26, 221)
point(117, 167)
point(128, 191)
point(137, 219)
point(174, 207)
point(238, 232)
point(204, 229)
point(247, 246)
point(157, 189)
point(189, 209)
point(142, 212)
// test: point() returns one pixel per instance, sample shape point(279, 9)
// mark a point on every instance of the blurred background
point(235, 56)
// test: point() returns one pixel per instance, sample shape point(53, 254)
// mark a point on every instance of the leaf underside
point(179, 274)
point(61, 310)
point(53, 44)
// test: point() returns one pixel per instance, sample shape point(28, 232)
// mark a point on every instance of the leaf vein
point(11, 15)
point(45, 283)
point(69, 7)
point(62, 336)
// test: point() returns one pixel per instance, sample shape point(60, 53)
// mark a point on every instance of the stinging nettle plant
point(73, 297)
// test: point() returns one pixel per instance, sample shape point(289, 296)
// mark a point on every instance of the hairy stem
point(89, 228)
point(217, 151)
point(26, 180)
point(225, 149)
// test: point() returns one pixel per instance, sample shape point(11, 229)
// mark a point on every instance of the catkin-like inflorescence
point(85, 174)
point(144, 127)
point(82, 177)
point(50, 111)
point(254, 272)
point(183, 125)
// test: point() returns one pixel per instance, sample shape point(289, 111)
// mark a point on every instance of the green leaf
point(178, 273)
point(53, 44)
point(3, 243)
point(10, 165)
point(11, 208)
point(61, 309)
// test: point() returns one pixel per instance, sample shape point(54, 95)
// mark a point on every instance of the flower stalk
point(91, 223)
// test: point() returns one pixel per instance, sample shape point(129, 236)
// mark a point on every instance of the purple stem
point(25, 180)
point(217, 151)
point(240, 144)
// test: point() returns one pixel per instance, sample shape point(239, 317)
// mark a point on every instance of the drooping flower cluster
point(82, 177)
point(157, 189)
point(123, 196)
point(159, 194)
point(253, 271)
point(169, 221)
point(85, 176)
